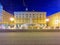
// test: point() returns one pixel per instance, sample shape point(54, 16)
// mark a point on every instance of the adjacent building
point(6, 19)
point(54, 20)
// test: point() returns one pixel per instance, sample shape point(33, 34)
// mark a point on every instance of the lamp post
point(12, 22)
point(47, 20)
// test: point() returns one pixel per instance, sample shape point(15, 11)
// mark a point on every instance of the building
point(30, 18)
point(6, 19)
point(54, 20)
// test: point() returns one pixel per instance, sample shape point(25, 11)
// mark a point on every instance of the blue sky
point(49, 6)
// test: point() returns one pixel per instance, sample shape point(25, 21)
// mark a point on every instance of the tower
point(1, 10)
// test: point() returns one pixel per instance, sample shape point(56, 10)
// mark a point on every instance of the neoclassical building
point(30, 18)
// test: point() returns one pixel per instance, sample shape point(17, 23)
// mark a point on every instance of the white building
point(30, 18)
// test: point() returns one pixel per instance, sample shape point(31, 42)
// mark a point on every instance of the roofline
point(27, 11)
point(53, 14)
point(8, 12)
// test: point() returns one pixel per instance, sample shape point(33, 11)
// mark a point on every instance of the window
point(33, 16)
point(30, 15)
point(16, 16)
point(19, 14)
point(26, 15)
point(36, 14)
point(22, 14)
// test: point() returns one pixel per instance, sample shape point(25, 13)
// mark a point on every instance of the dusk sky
point(49, 6)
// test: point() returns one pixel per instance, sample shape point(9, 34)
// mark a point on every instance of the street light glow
point(47, 20)
point(11, 19)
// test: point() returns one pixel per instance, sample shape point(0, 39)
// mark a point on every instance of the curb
point(25, 30)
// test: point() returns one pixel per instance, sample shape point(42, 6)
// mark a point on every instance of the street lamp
point(11, 22)
point(11, 19)
point(47, 20)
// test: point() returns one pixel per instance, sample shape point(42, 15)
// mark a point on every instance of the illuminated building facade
point(38, 18)
point(54, 20)
point(6, 19)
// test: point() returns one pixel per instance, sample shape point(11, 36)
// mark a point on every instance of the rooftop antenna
point(24, 4)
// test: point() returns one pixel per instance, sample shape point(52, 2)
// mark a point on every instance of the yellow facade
point(6, 18)
point(54, 20)
point(30, 17)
